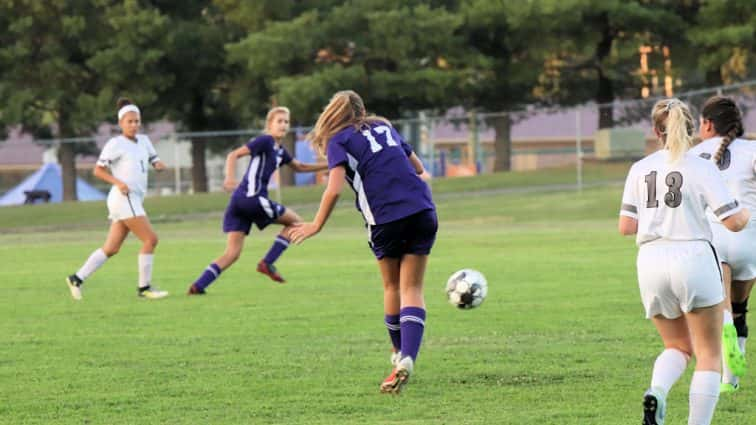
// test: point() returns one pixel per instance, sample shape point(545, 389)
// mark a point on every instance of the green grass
point(561, 338)
point(167, 208)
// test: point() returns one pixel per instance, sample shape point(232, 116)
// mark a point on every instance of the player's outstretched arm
point(331, 194)
point(302, 167)
point(737, 221)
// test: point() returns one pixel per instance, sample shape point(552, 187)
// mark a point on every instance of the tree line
point(220, 64)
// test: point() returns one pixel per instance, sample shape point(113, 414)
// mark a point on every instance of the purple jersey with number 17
point(376, 159)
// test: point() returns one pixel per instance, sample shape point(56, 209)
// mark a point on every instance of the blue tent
point(48, 180)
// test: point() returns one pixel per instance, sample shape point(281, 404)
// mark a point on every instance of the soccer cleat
point(193, 290)
point(399, 376)
point(653, 408)
point(731, 350)
point(74, 285)
point(151, 293)
point(727, 388)
point(270, 271)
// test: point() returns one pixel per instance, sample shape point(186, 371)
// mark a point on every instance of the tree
point(505, 59)
point(725, 38)
point(198, 102)
point(63, 64)
point(596, 48)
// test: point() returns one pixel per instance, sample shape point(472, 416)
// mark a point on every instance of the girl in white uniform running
point(664, 202)
point(720, 129)
point(123, 163)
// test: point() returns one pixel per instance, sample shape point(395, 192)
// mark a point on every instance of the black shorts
point(414, 234)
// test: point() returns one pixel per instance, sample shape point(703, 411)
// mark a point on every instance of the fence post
point(176, 166)
point(579, 150)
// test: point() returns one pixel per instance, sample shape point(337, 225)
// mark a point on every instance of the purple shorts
point(414, 234)
point(242, 212)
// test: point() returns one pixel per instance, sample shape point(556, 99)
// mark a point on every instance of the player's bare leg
point(234, 246)
point(389, 268)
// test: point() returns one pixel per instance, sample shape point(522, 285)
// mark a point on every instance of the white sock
point(95, 260)
point(668, 367)
point(741, 343)
point(145, 270)
point(704, 393)
point(727, 318)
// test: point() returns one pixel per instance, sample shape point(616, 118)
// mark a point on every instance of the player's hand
point(123, 188)
point(159, 166)
point(229, 185)
point(302, 231)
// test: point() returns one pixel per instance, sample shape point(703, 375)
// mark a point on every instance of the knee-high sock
point(145, 270)
point(95, 260)
point(412, 325)
point(208, 276)
point(394, 330)
point(704, 394)
point(275, 251)
point(668, 368)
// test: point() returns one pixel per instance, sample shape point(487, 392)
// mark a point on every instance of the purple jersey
point(380, 173)
point(266, 158)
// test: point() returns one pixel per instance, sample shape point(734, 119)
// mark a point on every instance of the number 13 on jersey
point(673, 197)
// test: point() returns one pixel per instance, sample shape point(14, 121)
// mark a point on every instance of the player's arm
point(103, 174)
point(737, 221)
point(303, 167)
point(229, 182)
point(331, 194)
point(418, 166)
point(627, 225)
point(159, 165)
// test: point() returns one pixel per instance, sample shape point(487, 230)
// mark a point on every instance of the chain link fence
point(459, 143)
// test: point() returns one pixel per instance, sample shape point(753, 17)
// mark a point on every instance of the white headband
point(127, 108)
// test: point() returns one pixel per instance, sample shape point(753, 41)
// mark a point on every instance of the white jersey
point(737, 166)
point(129, 160)
point(669, 200)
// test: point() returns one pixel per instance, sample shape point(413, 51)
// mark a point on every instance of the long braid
point(728, 123)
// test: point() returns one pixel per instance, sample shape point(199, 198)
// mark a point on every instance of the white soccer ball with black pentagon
point(466, 288)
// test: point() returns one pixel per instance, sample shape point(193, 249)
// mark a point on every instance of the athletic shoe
point(152, 293)
point(270, 271)
point(731, 350)
point(398, 377)
point(728, 388)
point(193, 290)
point(395, 357)
point(74, 285)
point(653, 408)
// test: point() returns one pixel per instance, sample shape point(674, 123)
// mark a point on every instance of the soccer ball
point(466, 288)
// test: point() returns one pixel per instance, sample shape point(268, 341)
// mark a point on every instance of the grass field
point(561, 338)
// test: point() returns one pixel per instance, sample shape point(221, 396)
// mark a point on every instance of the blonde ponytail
point(673, 120)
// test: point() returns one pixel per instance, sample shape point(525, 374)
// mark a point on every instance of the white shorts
point(121, 207)
point(737, 249)
point(676, 277)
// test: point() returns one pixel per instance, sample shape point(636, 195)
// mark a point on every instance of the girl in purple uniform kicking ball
point(385, 174)
point(249, 202)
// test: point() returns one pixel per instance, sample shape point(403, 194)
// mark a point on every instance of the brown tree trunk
point(502, 142)
point(67, 156)
point(199, 171)
point(287, 173)
point(67, 160)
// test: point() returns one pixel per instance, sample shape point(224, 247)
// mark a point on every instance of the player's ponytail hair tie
point(672, 103)
point(127, 108)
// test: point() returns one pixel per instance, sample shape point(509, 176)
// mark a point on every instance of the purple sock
point(208, 276)
point(412, 324)
point(392, 324)
point(275, 251)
